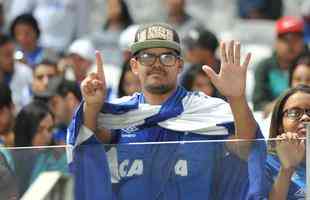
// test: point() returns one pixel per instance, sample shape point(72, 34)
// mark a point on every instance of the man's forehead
point(158, 50)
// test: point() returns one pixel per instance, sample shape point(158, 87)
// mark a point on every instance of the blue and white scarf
point(183, 112)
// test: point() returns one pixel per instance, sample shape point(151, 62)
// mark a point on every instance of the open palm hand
point(231, 80)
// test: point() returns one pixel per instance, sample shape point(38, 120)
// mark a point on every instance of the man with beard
point(165, 112)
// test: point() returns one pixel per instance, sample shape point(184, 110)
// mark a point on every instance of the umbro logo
point(130, 129)
point(300, 193)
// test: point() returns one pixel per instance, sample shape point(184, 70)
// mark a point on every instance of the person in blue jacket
point(286, 162)
point(165, 112)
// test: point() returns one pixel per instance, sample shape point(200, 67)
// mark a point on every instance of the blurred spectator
point(42, 74)
point(300, 73)
point(26, 32)
point(81, 55)
point(178, 17)
point(271, 75)
point(118, 16)
point(60, 21)
point(6, 116)
point(34, 128)
point(15, 74)
point(260, 9)
point(126, 39)
point(129, 82)
point(8, 186)
point(71, 98)
point(106, 39)
point(35, 123)
point(286, 164)
point(201, 46)
point(195, 79)
point(63, 98)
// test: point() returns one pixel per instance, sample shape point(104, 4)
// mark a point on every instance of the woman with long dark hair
point(33, 125)
point(33, 128)
point(118, 16)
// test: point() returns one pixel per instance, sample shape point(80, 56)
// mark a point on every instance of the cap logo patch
point(155, 32)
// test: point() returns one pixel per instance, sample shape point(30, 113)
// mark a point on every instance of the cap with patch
point(158, 35)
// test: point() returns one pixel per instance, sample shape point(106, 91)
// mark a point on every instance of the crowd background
point(48, 47)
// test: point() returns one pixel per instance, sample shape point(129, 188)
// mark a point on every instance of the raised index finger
point(99, 64)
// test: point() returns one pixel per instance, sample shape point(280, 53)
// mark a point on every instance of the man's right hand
point(93, 89)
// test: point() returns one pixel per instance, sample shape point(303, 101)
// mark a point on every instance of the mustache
point(156, 71)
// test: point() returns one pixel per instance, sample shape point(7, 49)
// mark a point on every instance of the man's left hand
point(231, 80)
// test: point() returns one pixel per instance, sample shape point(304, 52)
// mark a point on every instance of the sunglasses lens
point(147, 59)
point(168, 59)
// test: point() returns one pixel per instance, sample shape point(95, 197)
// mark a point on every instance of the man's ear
point(134, 66)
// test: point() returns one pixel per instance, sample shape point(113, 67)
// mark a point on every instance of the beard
point(160, 89)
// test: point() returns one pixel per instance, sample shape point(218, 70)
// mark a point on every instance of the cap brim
point(138, 46)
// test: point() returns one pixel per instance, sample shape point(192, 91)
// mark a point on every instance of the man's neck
point(157, 99)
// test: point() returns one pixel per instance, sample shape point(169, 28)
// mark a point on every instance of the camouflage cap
point(156, 35)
